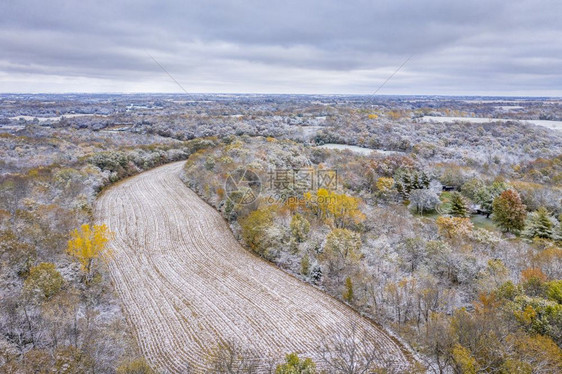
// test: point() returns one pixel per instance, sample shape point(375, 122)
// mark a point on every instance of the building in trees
point(485, 196)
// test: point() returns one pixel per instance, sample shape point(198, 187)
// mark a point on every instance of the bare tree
point(438, 342)
point(352, 352)
point(13, 189)
point(423, 200)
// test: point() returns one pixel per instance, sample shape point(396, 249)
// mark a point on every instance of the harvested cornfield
point(186, 284)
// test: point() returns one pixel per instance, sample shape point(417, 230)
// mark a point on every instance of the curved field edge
point(186, 284)
point(408, 351)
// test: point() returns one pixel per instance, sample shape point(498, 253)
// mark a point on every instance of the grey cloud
point(286, 46)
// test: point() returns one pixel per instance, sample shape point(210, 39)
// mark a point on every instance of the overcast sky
point(487, 47)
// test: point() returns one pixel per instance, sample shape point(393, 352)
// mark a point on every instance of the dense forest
point(470, 291)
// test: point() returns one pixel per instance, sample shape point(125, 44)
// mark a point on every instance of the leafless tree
point(352, 352)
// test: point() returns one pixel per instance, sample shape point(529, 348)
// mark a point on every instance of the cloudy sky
point(486, 47)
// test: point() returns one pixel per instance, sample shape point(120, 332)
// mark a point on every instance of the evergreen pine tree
point(459, 206)
point(538, 225)
point(316, 274)
point(400, 188)
point(425, 179)
point(486, 195)
point(416, 182)
point(407, 182)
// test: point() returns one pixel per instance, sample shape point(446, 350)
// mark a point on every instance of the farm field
point(359, 150)
point(186, 283)
point(553, 125)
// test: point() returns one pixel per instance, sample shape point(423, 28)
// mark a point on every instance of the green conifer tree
point(538, 225)
point(459, 206)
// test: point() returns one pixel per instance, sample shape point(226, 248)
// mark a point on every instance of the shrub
point(294, 365)
point(43, 281)
point(137, 366)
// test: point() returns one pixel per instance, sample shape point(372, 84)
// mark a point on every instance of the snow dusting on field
point(354, 148)
point(554, 125)
point(186, 284)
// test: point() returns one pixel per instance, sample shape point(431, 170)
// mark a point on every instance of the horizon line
point(279, 94)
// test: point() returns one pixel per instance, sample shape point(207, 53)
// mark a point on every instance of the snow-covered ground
point(354, 148)
point(508, 108)
point(308, 130)
point(554, 125)
point(54, 119)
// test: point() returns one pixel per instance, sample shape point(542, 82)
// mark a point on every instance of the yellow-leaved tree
point(89, 243)
point(454, 227)
point(337, 210)
point(385, 185)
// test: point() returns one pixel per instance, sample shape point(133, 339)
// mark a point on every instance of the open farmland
point(186, 284)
